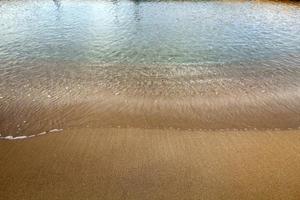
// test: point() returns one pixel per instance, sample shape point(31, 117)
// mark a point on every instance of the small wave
point(22, 137)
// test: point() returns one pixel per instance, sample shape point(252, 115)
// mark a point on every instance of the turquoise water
point(148, 32)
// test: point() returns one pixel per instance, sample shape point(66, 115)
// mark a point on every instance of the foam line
point(22, 137)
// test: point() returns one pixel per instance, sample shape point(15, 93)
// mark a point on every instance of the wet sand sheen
point(265, 113)
point(44, 96)
point(152, 164)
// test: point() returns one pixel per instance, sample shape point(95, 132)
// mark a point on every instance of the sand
point(152, 164)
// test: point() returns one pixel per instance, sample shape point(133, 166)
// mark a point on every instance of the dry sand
point(152, 164)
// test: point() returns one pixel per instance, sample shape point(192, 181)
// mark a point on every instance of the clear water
point(148, 64)
point(148, 32)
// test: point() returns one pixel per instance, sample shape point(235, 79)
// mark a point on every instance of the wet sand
point(152, 164)
point(49, 96)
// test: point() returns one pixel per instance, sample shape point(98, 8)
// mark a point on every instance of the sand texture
point(151, 164)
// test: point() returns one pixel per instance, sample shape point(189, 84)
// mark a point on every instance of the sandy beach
point(152, 164)
point(149, 100)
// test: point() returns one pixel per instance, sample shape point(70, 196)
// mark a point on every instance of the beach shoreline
point(149, 100)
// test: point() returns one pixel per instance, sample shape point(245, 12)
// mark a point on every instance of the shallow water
point(146, 64)
point(148, 32)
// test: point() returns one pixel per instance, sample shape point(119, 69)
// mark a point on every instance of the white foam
point(21, 137)
point(42, 133)
point(10, 137)
point(55, 130)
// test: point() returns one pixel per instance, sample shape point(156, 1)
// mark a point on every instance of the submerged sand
point(152, 164)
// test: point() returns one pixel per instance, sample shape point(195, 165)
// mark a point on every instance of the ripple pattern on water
point(217, 65)
point(130, 32)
